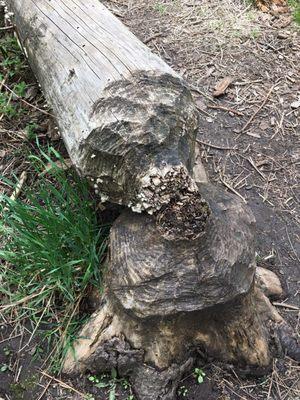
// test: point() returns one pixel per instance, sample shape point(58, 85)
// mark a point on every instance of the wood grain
point(124, 114)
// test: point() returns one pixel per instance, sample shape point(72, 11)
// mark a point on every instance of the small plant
point(182, 391)
point(7, 351)
point(199, 374)
point(52, 252)
point(255, 33)
point(89, 397)
point(4, 368)
point(7, 108)
point(161, 8)
point(111, 382)
point(20, 89)
point(31, 131)
point(12, 55)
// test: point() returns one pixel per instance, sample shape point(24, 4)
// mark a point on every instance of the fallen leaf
point(222, 85)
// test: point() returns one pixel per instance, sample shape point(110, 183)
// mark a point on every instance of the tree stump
point(167, 301)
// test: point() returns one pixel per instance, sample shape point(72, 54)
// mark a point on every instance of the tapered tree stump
point(168, 301)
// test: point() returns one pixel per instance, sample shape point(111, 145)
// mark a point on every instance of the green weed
point(110, 383)
point(31, 130)
point(199, 374)
point(13, 61)
point(182, 391)
point(161, 8)
point(8, 106)
point(53, 250)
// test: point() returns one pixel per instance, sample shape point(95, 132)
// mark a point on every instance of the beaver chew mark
point(184, 217)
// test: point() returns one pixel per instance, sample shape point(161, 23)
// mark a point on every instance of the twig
point(63, 384)
point(215, 107)
point(26, 102)
point(154, 36)
point(3, 81)
point(258, 110)
point(7, 28)
point(19, 186)
point(10, 338)
point(233, 190)
point(195, 89)
point(204, 112)
point(21, 301)
point(251, 162)
point(291, 244)
point(285, 305)
point(213, 146)
point(7, 104)
point(45, 389)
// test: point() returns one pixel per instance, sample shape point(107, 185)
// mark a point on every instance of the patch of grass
point(295, 6)
point(31, 131)
point(255, 33)
point(161, 8)
point(53, 249)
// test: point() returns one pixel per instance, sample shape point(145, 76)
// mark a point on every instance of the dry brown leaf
point(222, 85)
point(272, 6)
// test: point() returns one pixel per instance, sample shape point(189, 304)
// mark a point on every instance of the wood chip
point(222, 85)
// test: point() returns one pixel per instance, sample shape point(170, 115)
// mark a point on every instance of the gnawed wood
point(128, 120)
point(167, 301)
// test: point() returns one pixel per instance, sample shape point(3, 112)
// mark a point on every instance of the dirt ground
point(250, 144)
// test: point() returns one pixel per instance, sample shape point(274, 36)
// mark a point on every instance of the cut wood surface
point(127, 119)
point(167, 302)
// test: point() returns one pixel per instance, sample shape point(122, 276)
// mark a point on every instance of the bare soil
point(249, 141)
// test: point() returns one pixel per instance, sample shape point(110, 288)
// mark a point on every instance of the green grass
point(295, 6)
point(12, 58)
point(53, 250)
point(12, 66)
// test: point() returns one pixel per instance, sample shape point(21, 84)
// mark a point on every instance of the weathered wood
point(168, 301)
point(128, 120)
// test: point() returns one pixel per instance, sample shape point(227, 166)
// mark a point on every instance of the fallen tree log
point(179, 283)
point(127, 119)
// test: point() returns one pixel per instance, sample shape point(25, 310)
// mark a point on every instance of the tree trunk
point(127, 119)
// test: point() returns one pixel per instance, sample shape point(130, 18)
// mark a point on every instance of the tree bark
point(127, 119)
point(168, 301)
